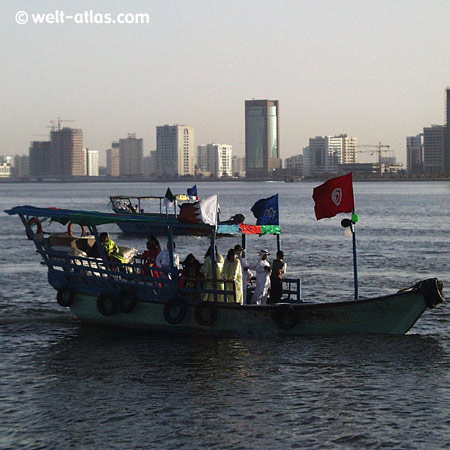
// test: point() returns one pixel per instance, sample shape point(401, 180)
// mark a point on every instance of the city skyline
point(377, 71)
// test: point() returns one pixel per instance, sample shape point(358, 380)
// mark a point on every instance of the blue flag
point(266, 211)
point(192, 192)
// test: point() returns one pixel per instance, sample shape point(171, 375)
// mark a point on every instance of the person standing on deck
point(262, 279)
point(232, 272)
point(208, 274)
point(276, 284)
point(246, 272)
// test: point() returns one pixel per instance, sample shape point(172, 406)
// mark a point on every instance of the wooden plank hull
point(393, 314)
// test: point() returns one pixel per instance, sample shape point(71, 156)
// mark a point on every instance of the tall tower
point(447, 135)
point(68, 157)
point(131, 152)
point(175, 150)
point(262, 138)
point(40, 153)
point(113, 160)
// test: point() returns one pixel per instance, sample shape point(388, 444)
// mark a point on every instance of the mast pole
point(355, 260)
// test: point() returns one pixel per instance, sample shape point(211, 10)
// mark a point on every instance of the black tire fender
point(127, 300)
point(65, 297)
point(285, 316)
point(433, 292)
point(106, 304)
point(175, 311)
point(205, 313)
point(31, 222)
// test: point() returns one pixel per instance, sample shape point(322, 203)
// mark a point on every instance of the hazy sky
point(376, 70)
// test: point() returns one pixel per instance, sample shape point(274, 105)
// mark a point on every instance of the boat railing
point(94, 275)
point(291, 289)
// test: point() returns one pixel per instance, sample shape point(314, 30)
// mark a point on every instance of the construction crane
point(376, 148)
point(58, 121)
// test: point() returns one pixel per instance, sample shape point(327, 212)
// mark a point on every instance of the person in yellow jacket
point(232, 272)
point(208, 274)
point(111, 248)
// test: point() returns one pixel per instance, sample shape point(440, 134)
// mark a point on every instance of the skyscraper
point(113, 160)
point(131, 152)
point(262, 138)
point(414, 154)
point(175, 150)
point(92, 163)
point(68, 157)
point(40, 153)
point(433, 149)
point(215, 159)
point(447, 135)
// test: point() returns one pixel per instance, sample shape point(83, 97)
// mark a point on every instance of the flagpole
point(355, 260)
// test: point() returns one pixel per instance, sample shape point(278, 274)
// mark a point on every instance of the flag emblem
point(336, 196)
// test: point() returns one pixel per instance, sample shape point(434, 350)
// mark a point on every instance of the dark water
point(63, 385)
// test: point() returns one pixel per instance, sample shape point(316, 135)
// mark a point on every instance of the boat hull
point(393, 314)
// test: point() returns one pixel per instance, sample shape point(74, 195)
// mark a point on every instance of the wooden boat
point(101, 291)
point(147, 206)
point(153, 207)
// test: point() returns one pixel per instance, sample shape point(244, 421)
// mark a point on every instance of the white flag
point(208, 210)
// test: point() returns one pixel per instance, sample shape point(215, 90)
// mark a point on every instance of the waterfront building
point(175, 150)
point(67, 153)
point(294, 165)
point(22, 166)
point(5, 170)
point(5, 166)
point(414, 154)
point(40, 158)
point(433, 149)
point(202, 160)
point(92, 162)
point(349, 149)
point(238, 166)
point(113, 160)
point(262, 138)
point(131, 154)
point(215, 160)
point(447, 135)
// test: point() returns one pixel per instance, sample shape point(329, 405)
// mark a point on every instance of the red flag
point(334, 196)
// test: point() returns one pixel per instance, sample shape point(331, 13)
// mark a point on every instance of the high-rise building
point(349, 149)
point(433, 149)
point(21, 166)
point(238, 166)
point(414, 154)
point(40, 155)
point(175, 150)
point(92, 163)
point(215, 160)
point(113, 160)
point(131, 155)
point(447, 135)
point(262, 138)
point(294, 165)
point(67, 154)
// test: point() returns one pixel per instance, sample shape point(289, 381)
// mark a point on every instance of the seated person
point(191, 272)
point(111, 249)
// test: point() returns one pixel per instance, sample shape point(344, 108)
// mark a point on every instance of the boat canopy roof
point(94, 218)
point(180, 197)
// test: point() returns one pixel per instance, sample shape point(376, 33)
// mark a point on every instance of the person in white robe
point(262, 287)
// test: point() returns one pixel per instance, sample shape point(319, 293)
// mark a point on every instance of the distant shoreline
point(104, 179)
